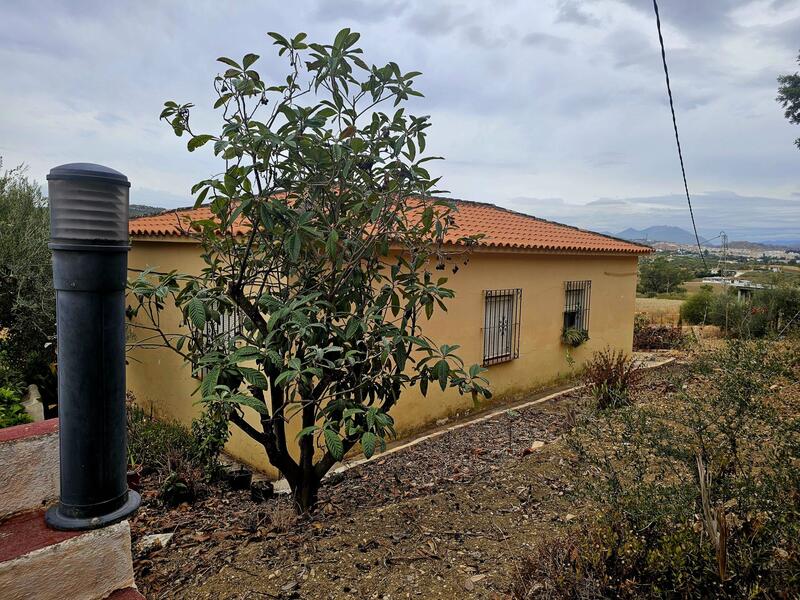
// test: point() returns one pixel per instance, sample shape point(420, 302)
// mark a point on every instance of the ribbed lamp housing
point(88, 203)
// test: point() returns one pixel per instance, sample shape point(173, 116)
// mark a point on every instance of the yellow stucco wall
point(159, 379)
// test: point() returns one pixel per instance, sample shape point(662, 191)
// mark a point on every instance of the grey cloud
point(573, 11)
point(742, 217)
point(692, 15)
point(630, 47)
point(551, 42)
point(108, 118)
point(439, 19)
point(360, 11)
point(539, 100)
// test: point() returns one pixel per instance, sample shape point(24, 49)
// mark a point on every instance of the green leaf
point(249, 59)
point(442, 370)
point(222, 100)
point(197, 141)
point(197, 312)
point(353, 325)
point(253, 403)
point(245, 353)
point(285, 378)
point(254, 377)
point(209, 382)
point(341, 37)
point(330, 245)
point(334, 443)
point(307, 431)
point(368, 441)
point(230, 62)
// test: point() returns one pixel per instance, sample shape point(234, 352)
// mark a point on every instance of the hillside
point(658, 233)
point(142, 210)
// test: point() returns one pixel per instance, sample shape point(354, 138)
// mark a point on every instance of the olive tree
point(325, 246)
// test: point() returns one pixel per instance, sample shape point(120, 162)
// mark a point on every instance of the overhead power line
point(677, 137)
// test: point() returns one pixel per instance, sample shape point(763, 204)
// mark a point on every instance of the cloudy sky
point(552, 107)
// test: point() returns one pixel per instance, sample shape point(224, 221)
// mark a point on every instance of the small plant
point(11, 410)
point(175, 490)
point(574, 337)
point(211, 433)
point(609, 376)
point(181, 482)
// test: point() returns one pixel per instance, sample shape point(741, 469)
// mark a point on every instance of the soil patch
point(450, 516)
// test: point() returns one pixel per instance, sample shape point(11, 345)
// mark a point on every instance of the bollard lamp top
point(75, 171)
point(88, 204)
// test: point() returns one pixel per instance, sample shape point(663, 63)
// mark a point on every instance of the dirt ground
point(449, 517)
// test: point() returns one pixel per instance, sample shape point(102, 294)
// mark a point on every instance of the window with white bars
point(501, 319)
point(221, 334)
point(577, 298)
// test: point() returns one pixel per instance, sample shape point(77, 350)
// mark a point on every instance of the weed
point(610, 376)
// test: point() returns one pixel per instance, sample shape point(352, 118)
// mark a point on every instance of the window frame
point(220, 334)
point(577, 302)
point(501, 325)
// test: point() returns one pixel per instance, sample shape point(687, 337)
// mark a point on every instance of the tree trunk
point(305, 494)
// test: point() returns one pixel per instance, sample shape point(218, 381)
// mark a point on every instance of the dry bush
point(647, 336)
point(610, 377)
point(561, 568)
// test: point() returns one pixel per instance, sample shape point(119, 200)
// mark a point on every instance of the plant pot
point(261, 491)
point(134, 477)
point(240, 479)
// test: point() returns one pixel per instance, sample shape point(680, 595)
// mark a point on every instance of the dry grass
point(695, 285)
point(660, 311)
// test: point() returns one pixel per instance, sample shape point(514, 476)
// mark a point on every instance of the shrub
point(768, 312)
point(27, 299)
point(170, 451)
point(696, 497)
point(647, 336)
point(154, 443)
point(211, 433)
point(696, 310)
point(609, 377)
point(11, 410)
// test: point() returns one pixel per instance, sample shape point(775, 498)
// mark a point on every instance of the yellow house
point(525, 283)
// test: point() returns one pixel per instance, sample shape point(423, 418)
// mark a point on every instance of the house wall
point(159, 378)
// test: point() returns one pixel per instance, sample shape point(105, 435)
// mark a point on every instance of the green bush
point(695, 497)
point(154, 444)
point(179, 456)
point(27, 300)
point(11, 410)
point(769, 312)
point(697, 307)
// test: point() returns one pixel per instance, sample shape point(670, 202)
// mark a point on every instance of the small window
point(220, 335)
point(501, 325)
point(577, 296)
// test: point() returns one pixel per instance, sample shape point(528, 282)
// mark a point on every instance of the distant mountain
point(659, 233)
point(777, 245)
point(142, 210)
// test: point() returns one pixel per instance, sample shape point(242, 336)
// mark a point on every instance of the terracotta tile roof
point(503, 228)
